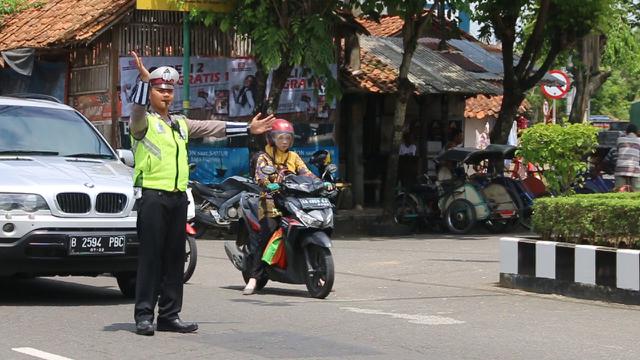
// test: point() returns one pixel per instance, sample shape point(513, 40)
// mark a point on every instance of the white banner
point(226, 87)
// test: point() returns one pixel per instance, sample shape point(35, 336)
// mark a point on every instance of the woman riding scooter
point(278, 155)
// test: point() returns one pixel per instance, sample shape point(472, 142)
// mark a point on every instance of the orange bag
point(274, 253)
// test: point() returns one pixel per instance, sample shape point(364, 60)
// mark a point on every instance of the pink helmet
point(280, 126)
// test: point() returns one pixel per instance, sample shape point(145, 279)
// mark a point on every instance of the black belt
point(163, 192)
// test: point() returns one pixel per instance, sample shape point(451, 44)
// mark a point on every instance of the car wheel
point(127, 284)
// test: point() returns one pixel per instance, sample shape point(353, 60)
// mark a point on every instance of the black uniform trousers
point(161, 224)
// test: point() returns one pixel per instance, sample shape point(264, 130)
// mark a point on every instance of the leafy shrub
point(596, 219)
point(561, 150)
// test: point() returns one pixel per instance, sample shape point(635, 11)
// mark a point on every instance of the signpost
point(186, 6)
point(557, 92)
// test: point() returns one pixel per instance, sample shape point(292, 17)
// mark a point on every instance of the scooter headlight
point(307, 219)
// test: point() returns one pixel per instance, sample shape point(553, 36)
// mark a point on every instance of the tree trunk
point(356, 165)
point(261, 88)
point(278, 79)
point(581, 98)
point(511, 101)
point(399, 115)
point(587, 75)
point(410, 30)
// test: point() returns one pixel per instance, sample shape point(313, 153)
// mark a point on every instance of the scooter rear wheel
point(320, 281)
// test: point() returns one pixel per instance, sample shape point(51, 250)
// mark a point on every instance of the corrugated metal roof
point(479, 55)
point(491, 61)
point(429, 72)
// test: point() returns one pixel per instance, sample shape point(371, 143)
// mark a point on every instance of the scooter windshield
point(303, 184)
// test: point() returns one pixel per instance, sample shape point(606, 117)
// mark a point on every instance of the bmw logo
point(89, 185)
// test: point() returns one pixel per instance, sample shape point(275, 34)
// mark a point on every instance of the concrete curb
point(583, 271)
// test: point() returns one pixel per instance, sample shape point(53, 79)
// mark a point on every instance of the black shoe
point(177, 325)
point(144, 327)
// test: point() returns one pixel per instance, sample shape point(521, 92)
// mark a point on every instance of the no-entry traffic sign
point(557, 92)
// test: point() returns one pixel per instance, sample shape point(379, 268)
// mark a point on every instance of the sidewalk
point(355, 222)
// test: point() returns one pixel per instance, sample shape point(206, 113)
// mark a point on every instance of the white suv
point(66, 198)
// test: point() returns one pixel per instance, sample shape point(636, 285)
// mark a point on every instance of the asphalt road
point(411, 298)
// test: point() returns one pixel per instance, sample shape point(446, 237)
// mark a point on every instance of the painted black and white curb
point(583, 271)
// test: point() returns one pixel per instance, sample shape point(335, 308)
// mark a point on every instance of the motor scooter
point(217, 204)
point(307, 224)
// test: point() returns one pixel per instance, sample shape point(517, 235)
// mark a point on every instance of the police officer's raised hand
point(260, 126)
point(144, 73)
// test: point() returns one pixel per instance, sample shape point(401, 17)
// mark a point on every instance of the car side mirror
point(126, 156)
point(268, 170)
point(332, 168)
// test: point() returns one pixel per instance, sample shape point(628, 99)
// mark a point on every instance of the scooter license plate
point(315, 203)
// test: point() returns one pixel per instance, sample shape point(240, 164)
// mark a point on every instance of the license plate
point(315, 203)
point(97, 244)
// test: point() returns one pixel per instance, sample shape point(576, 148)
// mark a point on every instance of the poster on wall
point(209, 81)
point(217, 160)
point(305, 93)
point(214, 164)
point(94, 107)
point(227, 87)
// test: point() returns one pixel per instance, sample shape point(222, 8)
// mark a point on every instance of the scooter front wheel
point(320, 278)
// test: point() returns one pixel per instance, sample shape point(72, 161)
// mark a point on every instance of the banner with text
point(227, 86)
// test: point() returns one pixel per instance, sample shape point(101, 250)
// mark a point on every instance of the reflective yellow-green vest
point(161, 160)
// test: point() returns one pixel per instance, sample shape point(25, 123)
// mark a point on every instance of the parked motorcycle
point(217, 204)
point(307, 223)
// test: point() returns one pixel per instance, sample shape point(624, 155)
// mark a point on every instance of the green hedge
point(598, 219)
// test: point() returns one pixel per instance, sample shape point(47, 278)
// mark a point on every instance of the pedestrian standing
point(627, 173)
point(159, 143)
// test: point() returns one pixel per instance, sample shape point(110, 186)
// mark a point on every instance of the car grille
point(110, 203)
point(74, 203)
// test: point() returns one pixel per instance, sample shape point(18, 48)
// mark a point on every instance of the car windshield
point(44, 131)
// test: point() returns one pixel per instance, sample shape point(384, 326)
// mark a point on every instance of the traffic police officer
point(159, 143)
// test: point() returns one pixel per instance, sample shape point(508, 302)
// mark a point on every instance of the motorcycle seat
point(205, 189)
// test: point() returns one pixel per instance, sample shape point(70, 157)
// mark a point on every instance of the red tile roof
point(391, 26)
point(482, 106)
point(60, 22)
point(374, 75)
point(388, 26)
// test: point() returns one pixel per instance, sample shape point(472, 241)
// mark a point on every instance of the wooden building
point(84, 40)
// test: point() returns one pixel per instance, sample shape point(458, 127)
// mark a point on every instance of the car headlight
point(25, 202)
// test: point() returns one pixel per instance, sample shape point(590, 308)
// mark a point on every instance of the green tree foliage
point(622, 58)
point(617, 94)
point(612, 77)
point(8, 7)
point(560, 150)
point(555, 25)
point(284, 34)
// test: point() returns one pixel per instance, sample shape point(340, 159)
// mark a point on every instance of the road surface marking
point(40, 354)
point(413, 319)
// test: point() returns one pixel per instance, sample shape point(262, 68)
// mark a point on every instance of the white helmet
point(164, 77)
